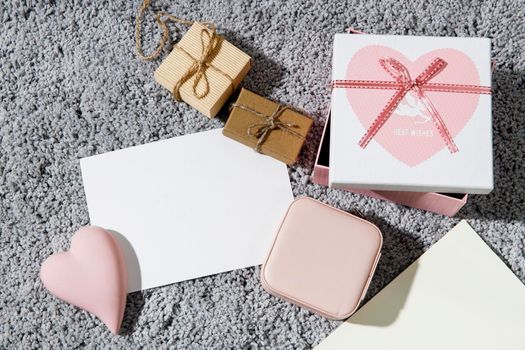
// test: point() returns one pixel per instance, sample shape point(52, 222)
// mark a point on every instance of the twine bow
point(210, 44)
point(262, 130)
point(403, 83)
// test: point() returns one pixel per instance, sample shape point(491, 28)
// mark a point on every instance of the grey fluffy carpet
point(70, 87)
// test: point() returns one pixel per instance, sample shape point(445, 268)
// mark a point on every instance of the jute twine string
point(210, 43)
point(271, 122)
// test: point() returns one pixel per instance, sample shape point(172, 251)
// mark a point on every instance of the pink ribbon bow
point(403, 83)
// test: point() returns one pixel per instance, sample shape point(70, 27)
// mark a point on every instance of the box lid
point(409, 151)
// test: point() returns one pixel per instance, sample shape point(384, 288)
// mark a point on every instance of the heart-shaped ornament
point(410, 134)
point(91, 275)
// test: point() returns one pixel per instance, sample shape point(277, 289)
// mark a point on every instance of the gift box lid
point(322, 259)
point(411, 114)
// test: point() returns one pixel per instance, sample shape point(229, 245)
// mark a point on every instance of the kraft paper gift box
point(206, 87)
point(268, 127)
point(441, 203)
point(411, 114)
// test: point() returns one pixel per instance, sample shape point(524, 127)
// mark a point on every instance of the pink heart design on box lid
point(409, 134)
point(91, 275)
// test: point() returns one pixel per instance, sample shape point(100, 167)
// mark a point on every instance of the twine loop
point(210, 43)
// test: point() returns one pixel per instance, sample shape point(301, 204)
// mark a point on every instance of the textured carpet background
point(70, 87)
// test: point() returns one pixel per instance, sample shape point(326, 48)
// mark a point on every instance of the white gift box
point(411, 114)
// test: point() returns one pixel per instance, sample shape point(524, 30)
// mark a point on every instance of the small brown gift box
point(223, 70)
point(251, 114)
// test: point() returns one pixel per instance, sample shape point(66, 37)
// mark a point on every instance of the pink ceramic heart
point(91, 275)
point(409, 134)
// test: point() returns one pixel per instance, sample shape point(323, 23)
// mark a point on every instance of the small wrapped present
point(268, 127)
point(203, 69)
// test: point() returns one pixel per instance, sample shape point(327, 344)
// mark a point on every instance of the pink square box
point(441, 203)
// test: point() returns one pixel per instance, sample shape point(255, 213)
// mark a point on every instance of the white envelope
point(457, 295)
point(187, 207)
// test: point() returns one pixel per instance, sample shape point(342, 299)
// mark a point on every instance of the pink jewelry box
point(322, 259)
point(440, 203)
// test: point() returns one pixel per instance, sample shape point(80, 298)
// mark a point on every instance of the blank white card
point(187, 207)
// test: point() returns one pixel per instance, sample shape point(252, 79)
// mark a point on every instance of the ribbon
point(403, 83)
point(262, 130)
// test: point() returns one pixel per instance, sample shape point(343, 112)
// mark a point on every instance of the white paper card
point(408, 153)
point(187, 207)
point(457, 295)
